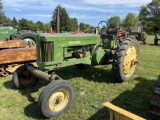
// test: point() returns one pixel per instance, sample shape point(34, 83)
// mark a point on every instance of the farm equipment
point(117, 113)
point(118, 32)
point(61, 50)
point(25, 34)
point(14, 53)
point(138, 33)
point(16, 48)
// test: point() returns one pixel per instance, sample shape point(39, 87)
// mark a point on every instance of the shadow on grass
point(92, 73)
point(154, 45)
point(31, 110)
point(95, 74)
point(9, 85)
point(26, 92)
point(136, 100)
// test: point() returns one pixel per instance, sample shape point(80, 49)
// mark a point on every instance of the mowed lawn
point(92, 86)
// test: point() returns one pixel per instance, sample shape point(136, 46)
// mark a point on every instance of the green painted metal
point(60, 47)
point(5, 32)
point(38, 73)
point(60, 50)
point(98, 55)
point(109, 41)
point(29, 41)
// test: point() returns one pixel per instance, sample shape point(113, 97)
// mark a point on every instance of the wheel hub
point(26, 78)
point(58, 100)
point(130, 60)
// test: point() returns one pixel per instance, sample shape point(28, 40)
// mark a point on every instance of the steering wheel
point(103, 29)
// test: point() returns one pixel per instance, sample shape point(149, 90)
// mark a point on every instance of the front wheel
point(56, 98)
point(125, 59)
point(22, 78)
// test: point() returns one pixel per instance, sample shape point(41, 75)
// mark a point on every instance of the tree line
point(67, 23)
point(148, 18)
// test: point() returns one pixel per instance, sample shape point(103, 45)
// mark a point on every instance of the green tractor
point(10, 33)
point(61, 50)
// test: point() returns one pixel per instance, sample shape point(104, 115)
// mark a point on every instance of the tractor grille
point(47, 51)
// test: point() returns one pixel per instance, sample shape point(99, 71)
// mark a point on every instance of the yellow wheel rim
point(130, 60)
point(58, 100)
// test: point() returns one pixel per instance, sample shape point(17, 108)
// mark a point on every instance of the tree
point(1, 13)
point(84, 27)
point(150, 14)
point(87, 27)
point(14, 22)
point(74, 24)
point(47, 26)
point(32, 25)
point(130, 20)
point(40, 26)
point(114, 21)
point(64, 19)
point(24, 23)
point(81, 26)
point(5, 21)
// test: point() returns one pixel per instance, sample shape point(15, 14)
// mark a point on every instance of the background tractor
point(26, 34)
point(16, 48)
point(61, 50)
point(138, 33)
point(118, 32)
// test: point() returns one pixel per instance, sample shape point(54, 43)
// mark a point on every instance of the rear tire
point(56, 98)
point(22, 78)
point(125, 59)
point(28, 36)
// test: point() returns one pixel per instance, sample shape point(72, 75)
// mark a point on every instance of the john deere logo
point(4, 32)
point(74, 42)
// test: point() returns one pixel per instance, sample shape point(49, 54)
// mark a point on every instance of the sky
point(86, 11)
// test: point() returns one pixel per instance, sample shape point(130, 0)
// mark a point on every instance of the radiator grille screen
point(47, 51)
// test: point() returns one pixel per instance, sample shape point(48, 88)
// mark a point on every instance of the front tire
point(56, 98)
point(22, 78)
point(125, 59)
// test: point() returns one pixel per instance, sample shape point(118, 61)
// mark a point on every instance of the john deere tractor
point(61, 50)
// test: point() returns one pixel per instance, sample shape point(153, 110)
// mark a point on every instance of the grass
point(92, 88)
